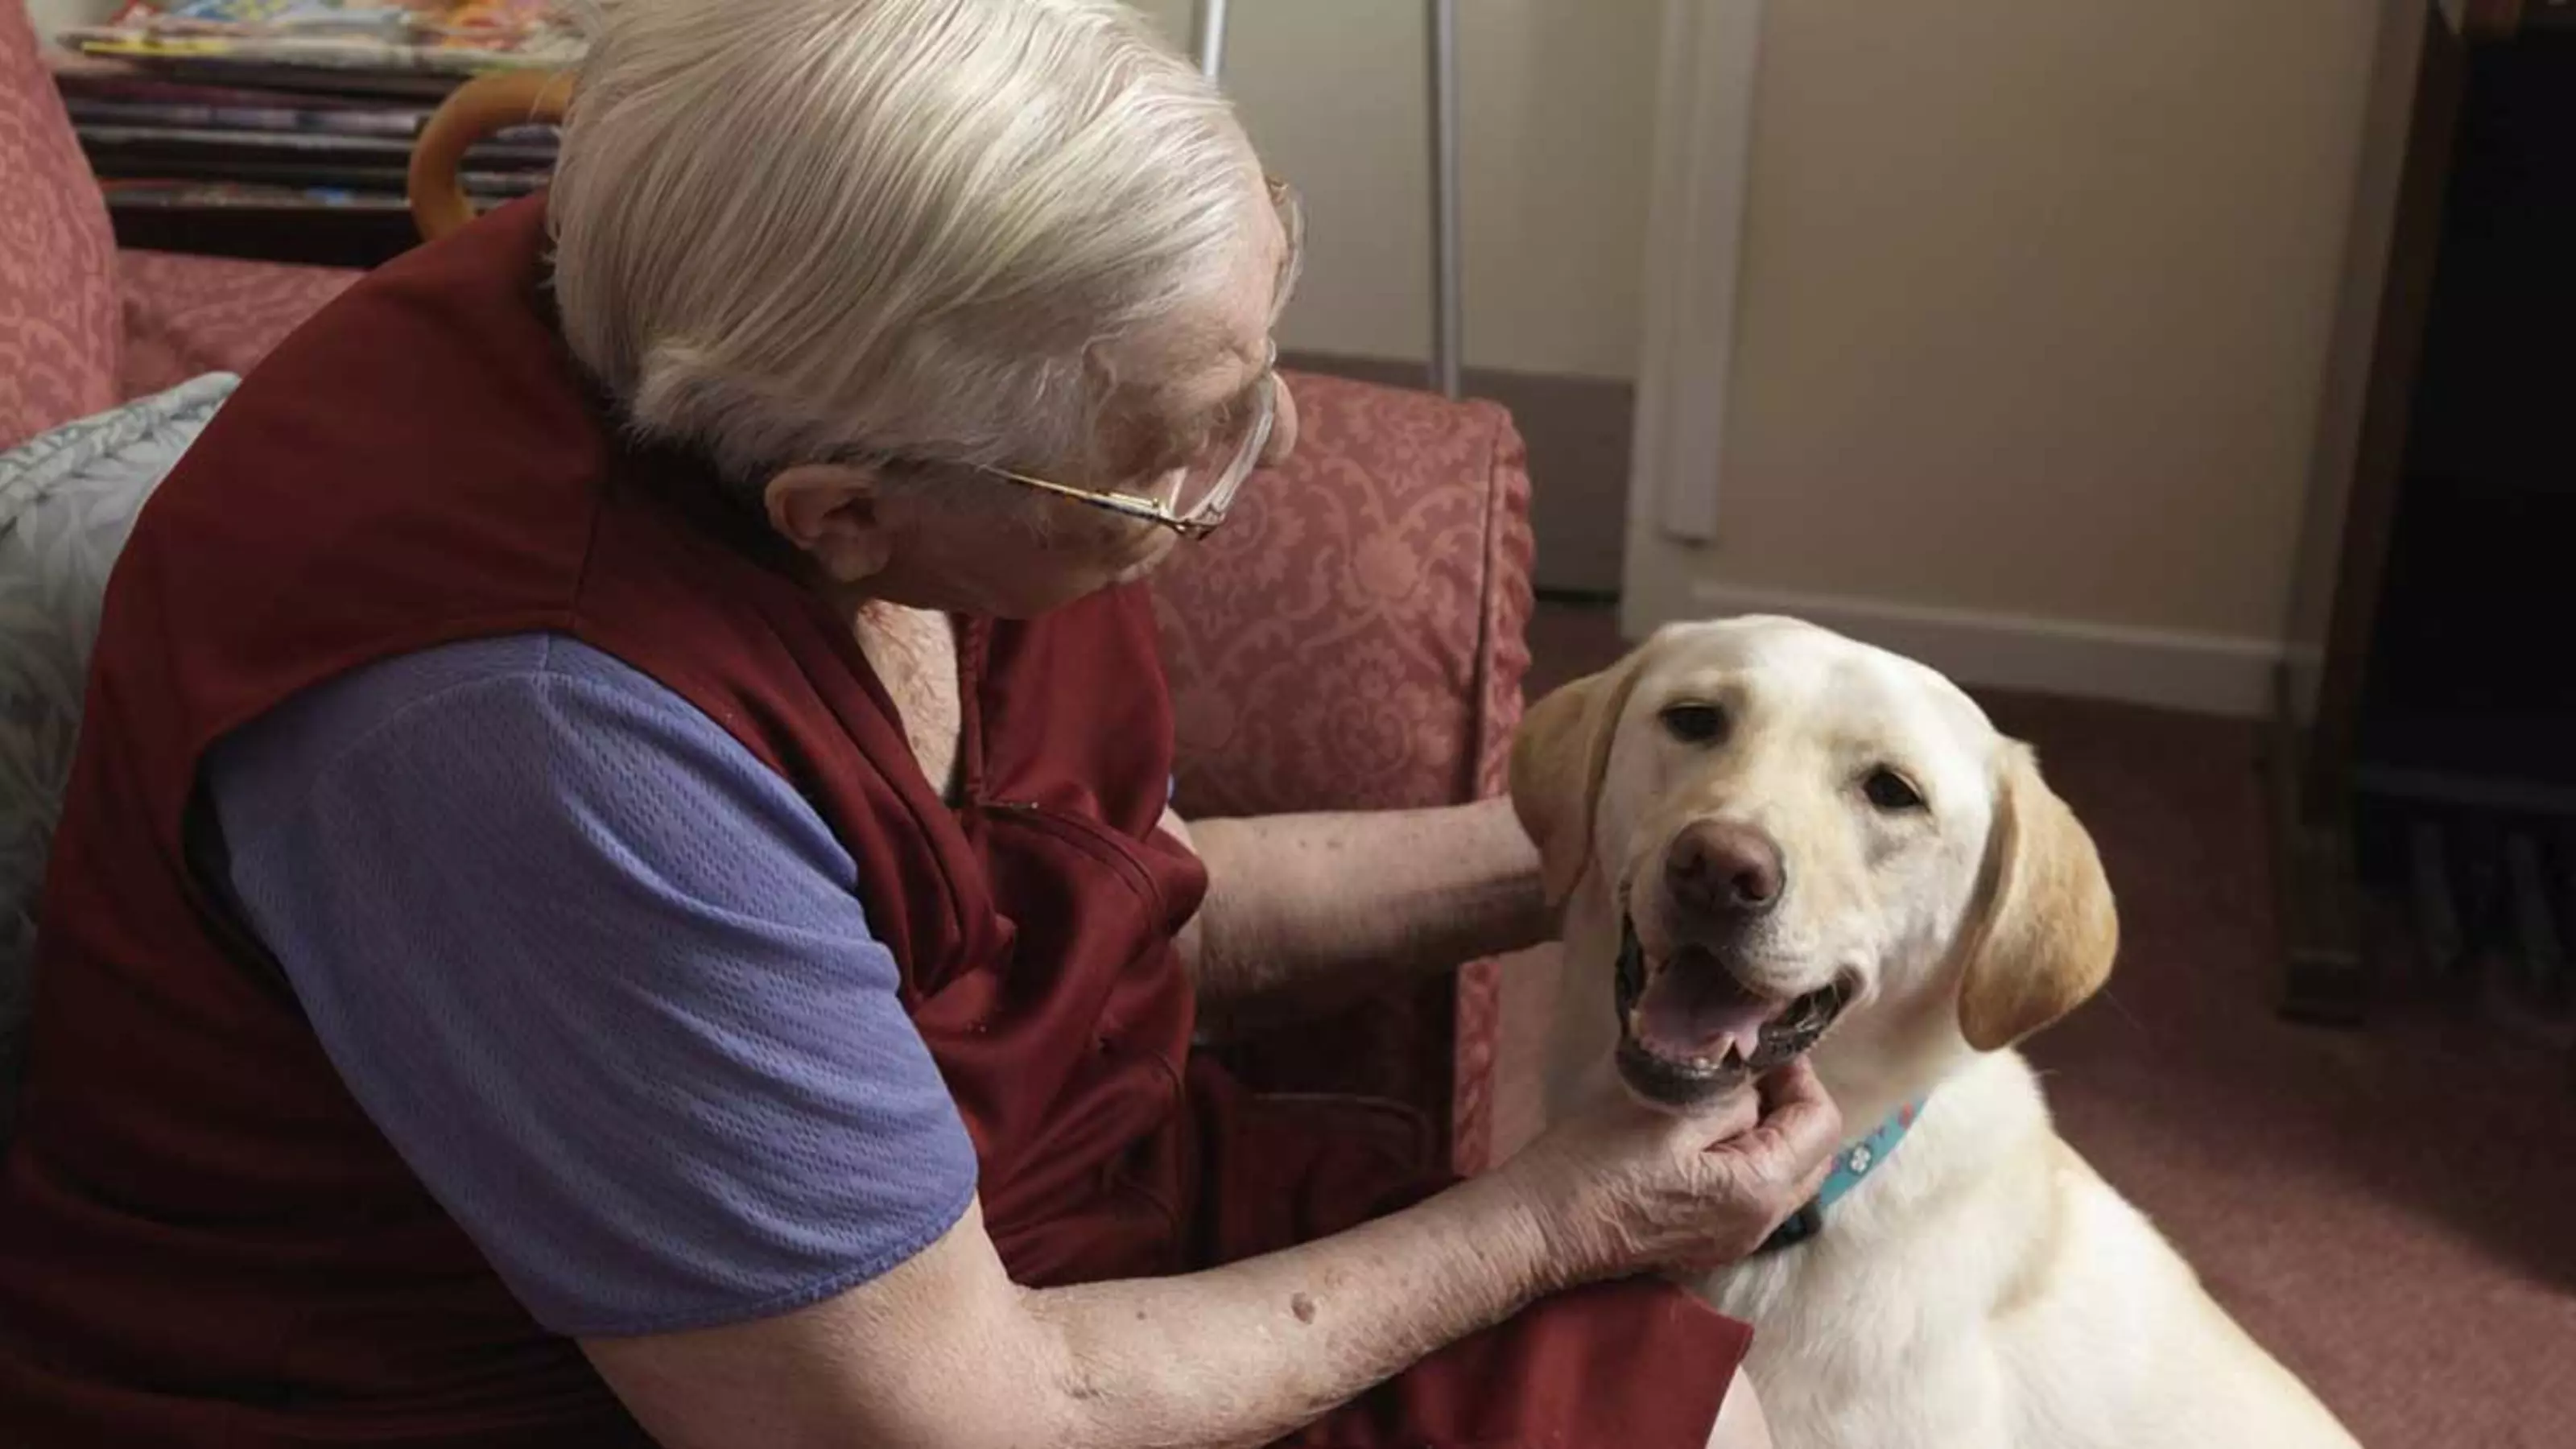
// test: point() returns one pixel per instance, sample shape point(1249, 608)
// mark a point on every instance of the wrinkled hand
point(1625, 1189)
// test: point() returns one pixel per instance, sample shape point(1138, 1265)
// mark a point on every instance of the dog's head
point(1795, 834)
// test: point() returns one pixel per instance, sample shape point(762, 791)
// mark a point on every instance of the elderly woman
point(619, 887)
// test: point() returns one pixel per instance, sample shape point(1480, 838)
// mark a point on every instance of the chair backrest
point(58, 306)
point(472, 111)
point(67, 501)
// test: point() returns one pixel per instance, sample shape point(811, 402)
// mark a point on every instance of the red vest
point(202, 1238)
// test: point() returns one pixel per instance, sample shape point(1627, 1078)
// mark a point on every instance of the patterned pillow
point(67, 499)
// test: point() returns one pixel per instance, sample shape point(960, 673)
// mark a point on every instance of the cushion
point(186, 315)
point(67, 500)
point(58, 308)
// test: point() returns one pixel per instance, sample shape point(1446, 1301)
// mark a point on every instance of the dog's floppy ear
point(2048, 929)
point(1558, 759)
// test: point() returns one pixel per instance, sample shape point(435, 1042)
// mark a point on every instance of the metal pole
point(1442, 21)
point(1207, 37)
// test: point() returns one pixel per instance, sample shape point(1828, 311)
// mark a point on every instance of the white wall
point(1556, 102)
point(2033, 318)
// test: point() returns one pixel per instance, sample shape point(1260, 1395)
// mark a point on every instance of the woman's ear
point(1558, 759)
point(2047, 931)
point(834, 514)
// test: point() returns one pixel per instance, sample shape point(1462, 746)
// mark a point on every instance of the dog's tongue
point(1694, 1009)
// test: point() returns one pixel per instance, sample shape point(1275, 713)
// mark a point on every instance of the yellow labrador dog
point(1771, 840)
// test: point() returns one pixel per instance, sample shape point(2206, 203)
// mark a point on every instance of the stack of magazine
point(297, 103)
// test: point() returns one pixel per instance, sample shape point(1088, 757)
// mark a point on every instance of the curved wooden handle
point(474, 110)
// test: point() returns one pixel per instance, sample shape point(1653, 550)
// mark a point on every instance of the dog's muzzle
point(1685, 1082)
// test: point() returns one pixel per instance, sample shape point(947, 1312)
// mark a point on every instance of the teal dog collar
point(1854, 1161)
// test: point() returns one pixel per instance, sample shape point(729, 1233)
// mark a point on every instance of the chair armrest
point(1355, 638)
point(57, 297)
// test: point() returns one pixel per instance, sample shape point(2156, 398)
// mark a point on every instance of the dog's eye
point(1694, 724)
point(1891, 791)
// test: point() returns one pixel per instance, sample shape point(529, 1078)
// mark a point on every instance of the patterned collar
point(1851, 1164)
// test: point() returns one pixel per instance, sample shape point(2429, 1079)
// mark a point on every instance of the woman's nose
point(1283, 426)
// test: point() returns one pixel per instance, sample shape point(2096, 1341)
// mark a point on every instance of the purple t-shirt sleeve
point(600, 978)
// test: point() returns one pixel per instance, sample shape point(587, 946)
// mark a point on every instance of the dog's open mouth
point(1691, 1030)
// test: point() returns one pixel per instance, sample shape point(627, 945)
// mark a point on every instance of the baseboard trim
point(2173, 669)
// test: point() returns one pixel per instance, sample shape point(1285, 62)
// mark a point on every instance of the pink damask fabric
point(1350, 637)
point(186, 315)
point(1354, 638)
point(58, 323)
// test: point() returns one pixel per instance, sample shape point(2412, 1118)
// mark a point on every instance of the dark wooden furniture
point(2396, 231)
point(310, 235)
point(2426, 736)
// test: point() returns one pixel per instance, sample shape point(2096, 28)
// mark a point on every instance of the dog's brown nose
point(1724, 869)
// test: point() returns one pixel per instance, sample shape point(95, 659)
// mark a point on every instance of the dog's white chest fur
point(1859, 1339)
point(1983, 1289)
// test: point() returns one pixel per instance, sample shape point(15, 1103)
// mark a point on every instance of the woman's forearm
point(1308, 912)
point(943, 1351)
point(1246, 1353)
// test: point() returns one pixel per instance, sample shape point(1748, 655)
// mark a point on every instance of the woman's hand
point(1626, 1189)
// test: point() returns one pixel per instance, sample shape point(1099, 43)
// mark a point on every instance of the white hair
point(788, 230)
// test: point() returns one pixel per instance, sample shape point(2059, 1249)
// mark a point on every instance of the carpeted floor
point(2392, 1210)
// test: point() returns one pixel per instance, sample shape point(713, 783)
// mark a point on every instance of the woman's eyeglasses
point(1199, 492)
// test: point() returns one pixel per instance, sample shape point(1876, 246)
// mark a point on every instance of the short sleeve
point(600, 977)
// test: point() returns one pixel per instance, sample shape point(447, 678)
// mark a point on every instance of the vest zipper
point(1092, 839)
